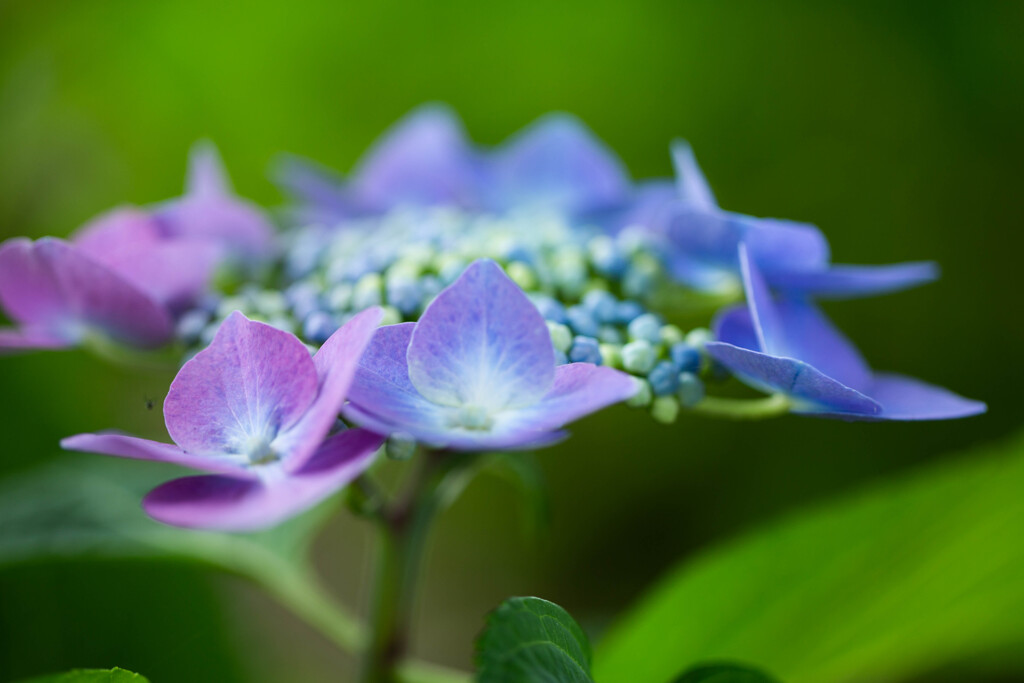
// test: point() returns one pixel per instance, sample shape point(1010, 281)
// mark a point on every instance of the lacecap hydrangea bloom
point(520, 288)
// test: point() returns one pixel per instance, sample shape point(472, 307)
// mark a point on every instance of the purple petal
point(797, 329)
point(734, 326)
point(129, 241)
point(230, 504)
point(55, 289)
point(335, 364)
point(482, 341)
point(252, 383)
point(381, 396)
point(579, 389)
point(229, 222)
point(558, 162)
point(206, 174)
point(780, 245)
point(771, 334)
point(125, 446)
point(321, 192)
point(906, 398)
point(651, 207)
point(843, 281)
point(691, 185)
point(423, 160)
point(793, 378)
point(27, 339)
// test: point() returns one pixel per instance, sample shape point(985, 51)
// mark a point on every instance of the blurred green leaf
point(723, 673)
point(114, 675)
point(81, 506)
point(529, 640)
point(882, 585)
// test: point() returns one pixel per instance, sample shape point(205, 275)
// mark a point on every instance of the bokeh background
point(895, 126)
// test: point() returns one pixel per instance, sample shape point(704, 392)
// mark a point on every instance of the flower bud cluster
point(594, 289)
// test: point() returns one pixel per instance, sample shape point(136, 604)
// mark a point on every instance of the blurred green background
point(895, 126)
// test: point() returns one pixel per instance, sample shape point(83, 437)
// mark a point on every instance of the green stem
point(403, 532)
point(745, 408)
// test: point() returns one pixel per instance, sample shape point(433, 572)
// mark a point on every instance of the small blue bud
point(404, 294)
point(430, 286)
point(609, 334)
point(664, 378)
point(304, 297)
point(638, 357)
point(551, 310)
point(318, 326)
point(627, 311)
point(585, 350)
point(601, 304)
point(582, 321)
point(560, 357)
point(685, 357)
point(691, 389)
point(646, 327)
point(607, 258)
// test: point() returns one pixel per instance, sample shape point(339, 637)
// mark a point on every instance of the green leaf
point(529, 640)
point(90, 506)
point(882, 585)
point(723, 673)
point(114, 675)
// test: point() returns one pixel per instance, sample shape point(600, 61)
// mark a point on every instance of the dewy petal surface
point(557, 162)
point(251, 383)
point(52, 285)
point(482, 342)
point(793, 378)
point(425, 159)
point(336, 363)
point(847, 281)
point(230, 504)
point(126, 446)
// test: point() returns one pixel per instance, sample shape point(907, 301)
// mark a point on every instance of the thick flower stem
point(402, 537)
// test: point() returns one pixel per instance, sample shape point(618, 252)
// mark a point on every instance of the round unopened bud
point(561, 336)
point(691, 389)
point(664, 378)
point(638, 357)
point(611, 355)
point(646, 327)
point(665, 409)
point(585, 350)
point(522, 275)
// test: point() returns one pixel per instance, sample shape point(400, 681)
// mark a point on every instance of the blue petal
point(844, 282)
point(691, 184)
point(424, 159)
point(482, 342)
point(794, 378)
point(906, 398)
point(558, 163)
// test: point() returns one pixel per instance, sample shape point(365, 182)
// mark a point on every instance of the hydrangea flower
point(477, 372)
point(255, 410)
point(59, 295)
point(426, 159)
point(702, 240)
point(210, 211)
point(788, 347)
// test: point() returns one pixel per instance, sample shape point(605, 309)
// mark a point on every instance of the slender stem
point(745, 408)
point(403, 532)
